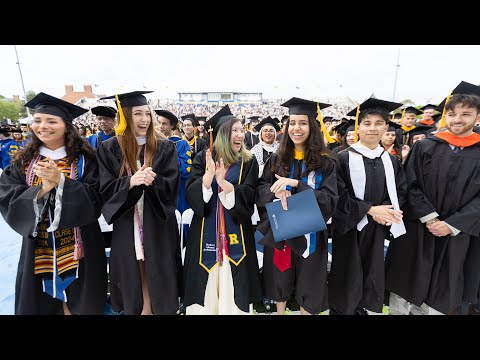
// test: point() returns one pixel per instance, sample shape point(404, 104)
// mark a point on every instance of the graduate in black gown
point(252, 136)
point(429, 266)
point(49, 195)
point(221, 269)
point(391, 143)
point(267, 130)
point(139, 179)
point(372, 189)
point(298, 266)
point(189, 128)
point(407, 122)
point(346, 130)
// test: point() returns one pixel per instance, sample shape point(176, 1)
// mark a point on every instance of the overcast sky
point(427, 73)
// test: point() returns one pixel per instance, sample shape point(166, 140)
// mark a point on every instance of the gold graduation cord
point(122, 122)
point(322, 125)
point(355, 137)
point(442, 121)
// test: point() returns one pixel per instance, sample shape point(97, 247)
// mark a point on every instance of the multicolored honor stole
point(282, 258)
point(57, 253)
point(219, 231)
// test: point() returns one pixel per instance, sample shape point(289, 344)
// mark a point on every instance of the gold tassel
point(355, 138)
point(322, 125)
point(210, 130)
point(403, 114)
point(122, 122)
point(442, 121)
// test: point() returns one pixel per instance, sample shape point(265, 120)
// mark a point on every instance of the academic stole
point(136, 214)
point(57, 252)
point(192, 142)
point(282, 259)
point(219, 231)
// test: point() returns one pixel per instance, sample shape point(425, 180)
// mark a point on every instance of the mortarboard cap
point(297, 106)
point(219, 118)
point(373, 103)
point(397, 116)
point(106, 111)
point(393, 126)
point(192, 117)
point(131, 99)
point(5, 130)
point(462, 88)
point(168, 115)
point(325, 119)
point(201, 118)
point(16, 130)
point(345, 126)
point(428, 106)
point(47, 104)
point(421, 129)
point(267, 121)
point(412, 110)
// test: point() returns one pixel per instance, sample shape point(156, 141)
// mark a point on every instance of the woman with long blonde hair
point(139, 185)
point(221, 269)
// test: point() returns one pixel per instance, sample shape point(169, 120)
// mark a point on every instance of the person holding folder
point(372, 187)
point(298, 266)
point(221, 274)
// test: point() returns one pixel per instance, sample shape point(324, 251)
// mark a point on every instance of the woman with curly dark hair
point(49, 195)
point(298, 266)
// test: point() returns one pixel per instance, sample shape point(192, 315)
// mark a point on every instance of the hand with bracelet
point(438, 228)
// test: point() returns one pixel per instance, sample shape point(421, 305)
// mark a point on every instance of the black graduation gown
point(160, 232)
point(357, 272)
point(251, 140)
point(334, 145)
point(80, 208)
point(471, 269)
point(265, 155)
point(419, 266)
point(337, 149)
point(246, 278)
point(307, 277)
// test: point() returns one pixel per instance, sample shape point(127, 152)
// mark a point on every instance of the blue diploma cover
point(302, 217)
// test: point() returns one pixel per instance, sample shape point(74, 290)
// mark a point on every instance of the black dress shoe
point(472, 310)
point(361, 311)
point(182, 310)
